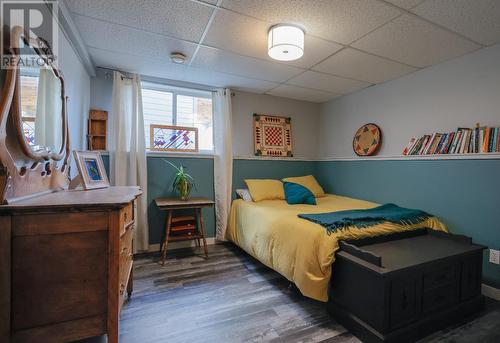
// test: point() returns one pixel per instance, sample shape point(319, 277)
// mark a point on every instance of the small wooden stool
point(186, 231)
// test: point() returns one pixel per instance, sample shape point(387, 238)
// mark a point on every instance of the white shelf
point(479, 156)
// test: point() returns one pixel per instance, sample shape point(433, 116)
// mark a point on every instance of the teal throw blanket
point(334, 221)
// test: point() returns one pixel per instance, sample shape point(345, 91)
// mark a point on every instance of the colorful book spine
point(427, 144)
point(456, 141)
point(498, 142)
point(410, 145)
point(494, 140)
point(448, 144)
point(486, 140)
point(466, 141)
point(442, 144)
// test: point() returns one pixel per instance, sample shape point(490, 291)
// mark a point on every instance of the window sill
point(201, 154)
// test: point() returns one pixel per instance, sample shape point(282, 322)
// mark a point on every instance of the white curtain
point(223, 160)
point(48, 123)
point(127, 148)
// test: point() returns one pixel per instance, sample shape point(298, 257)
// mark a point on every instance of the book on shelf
point(409, 146)
point(461, 141)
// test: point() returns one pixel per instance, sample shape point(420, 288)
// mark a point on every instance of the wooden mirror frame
point(24, 172)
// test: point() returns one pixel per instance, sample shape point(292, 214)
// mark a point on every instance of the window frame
point(186, 92)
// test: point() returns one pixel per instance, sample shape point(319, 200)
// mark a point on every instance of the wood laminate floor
point(231, 297)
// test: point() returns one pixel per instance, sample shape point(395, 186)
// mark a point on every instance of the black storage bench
point(404, 286)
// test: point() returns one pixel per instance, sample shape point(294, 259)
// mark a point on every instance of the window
point(164, 105)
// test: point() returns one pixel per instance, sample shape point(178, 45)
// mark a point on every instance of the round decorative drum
point(367, 140)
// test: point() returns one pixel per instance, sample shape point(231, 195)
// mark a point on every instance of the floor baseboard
point(491, 292)
point(180, 245)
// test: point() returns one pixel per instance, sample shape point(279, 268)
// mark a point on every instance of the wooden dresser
point(66, 264)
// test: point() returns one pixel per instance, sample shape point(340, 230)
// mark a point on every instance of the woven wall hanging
point(367, 140)
point(272, 136)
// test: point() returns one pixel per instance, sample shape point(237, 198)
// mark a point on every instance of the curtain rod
point(168, 82)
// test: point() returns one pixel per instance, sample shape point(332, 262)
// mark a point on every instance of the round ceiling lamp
point(285, 42)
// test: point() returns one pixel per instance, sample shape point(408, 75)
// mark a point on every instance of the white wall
point(457, 93)
point(77, 87)
point(305, 117)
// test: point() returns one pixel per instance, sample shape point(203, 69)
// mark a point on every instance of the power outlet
point(494, 256)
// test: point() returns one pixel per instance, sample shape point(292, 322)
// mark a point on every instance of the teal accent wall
point(464, 194)
point(267, 169)
point(160, 177)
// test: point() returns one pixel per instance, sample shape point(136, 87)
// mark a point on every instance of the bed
point(298, 249)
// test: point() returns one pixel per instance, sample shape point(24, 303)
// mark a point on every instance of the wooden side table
point(170, 205)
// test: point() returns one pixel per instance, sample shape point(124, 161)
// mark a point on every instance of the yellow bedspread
point(298, 249)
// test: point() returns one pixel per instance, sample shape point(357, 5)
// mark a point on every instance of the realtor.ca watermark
point(37, 44)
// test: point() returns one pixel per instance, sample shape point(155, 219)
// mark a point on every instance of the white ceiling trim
point(69, 29)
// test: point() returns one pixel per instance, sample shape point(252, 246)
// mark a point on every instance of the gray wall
point(305, 116)
point(305, 120)
point(458, 93)
point(77, 86)
point(464, 193)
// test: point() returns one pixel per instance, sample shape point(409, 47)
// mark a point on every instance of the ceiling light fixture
point(285, 42)
point(178, 57)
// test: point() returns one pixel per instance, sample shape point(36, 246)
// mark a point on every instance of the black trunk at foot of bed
point(402, 287)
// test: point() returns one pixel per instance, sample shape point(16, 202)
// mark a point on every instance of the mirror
point(41, 106)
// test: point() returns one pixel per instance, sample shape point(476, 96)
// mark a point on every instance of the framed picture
point(173, 138)
point(272, 135)
point(91, 169)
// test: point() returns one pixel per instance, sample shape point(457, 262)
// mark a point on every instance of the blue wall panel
point(465, 194)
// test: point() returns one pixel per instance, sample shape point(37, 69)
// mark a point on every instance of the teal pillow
point(298, 194)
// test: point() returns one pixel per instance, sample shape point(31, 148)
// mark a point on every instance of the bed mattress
point(298, 249)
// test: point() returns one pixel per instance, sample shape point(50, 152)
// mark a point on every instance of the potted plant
point(183, 182)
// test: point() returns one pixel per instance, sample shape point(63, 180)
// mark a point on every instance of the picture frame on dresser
point(92, 174)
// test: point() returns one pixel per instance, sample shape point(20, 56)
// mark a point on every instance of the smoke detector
point(178, 57)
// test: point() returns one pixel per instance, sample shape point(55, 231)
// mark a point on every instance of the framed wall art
point(173, 138)
point(272, 136)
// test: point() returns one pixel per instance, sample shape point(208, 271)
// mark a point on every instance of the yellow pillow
point(308, 182)
point(263, 189)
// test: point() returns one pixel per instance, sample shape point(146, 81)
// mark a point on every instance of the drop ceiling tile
point(226, 62)
point(416, 42)
point(218, 79)
point(327, 83)
point(299, 93)
point(337, 20)
point(406, 4)
point(137, 64)
point(177, 18)
point(128, 40)
point(248, 36)
point(172, 71)
point(362, 66)
point(478, 20)
point(239, 34)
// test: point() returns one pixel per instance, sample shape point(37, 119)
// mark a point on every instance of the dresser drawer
point(125, 262)
point(441, 277)
point(127, 214)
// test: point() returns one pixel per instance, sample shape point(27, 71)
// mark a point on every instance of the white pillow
point(244, 194)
